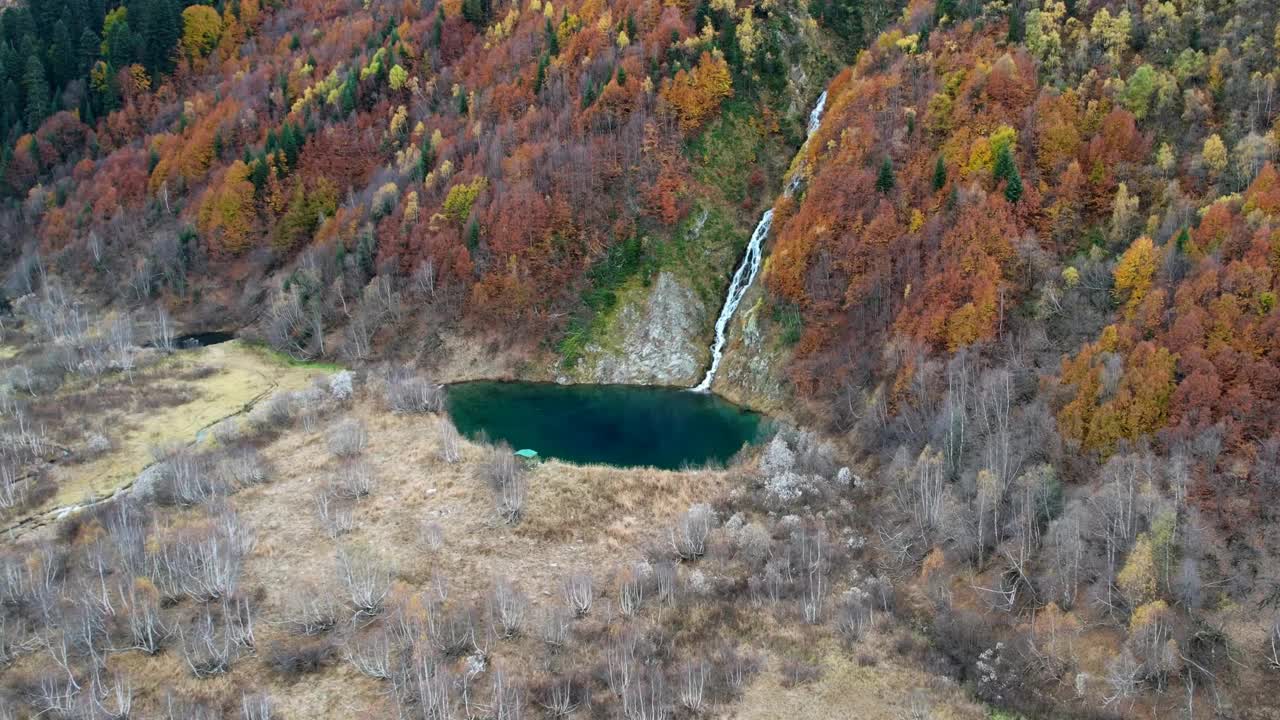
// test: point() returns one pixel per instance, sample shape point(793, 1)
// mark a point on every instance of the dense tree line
point(65, 55)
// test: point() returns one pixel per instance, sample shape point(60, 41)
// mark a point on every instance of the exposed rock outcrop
point(658, 339)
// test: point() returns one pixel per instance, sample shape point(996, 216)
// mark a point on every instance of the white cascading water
point(750, 266)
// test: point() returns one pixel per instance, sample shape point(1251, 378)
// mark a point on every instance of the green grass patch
point(606, 278)
point(728, 152)
point(791, 324)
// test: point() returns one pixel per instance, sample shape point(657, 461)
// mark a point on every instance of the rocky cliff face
point(658, 336)
point(751, 372)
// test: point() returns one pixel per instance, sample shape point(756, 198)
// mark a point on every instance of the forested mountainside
point(508, 167)
point(1027, 275)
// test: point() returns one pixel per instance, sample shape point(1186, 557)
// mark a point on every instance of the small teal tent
point(527, 454)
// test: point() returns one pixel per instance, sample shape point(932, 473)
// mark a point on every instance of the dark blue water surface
point(624, 425)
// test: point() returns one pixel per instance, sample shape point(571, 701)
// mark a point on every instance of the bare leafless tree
point(633, 581)
point(449, 441)
point(213, 640)
point(507, 482)
point(410, 393)
point(648, 698)
point(145, 625)
point(335, 516)
point(162, 336)
point(507, 609)
point(371, 654)
point(560, 698)
point(508, 701)
point(241, 468)
point(577, 592)
point(185, 476)
point(689, 536)
point(812, 556)
point(348, 438)
point(1273, 645)
point(432, 689)
point(431, 536)
point(115, 701)
point(202, 561)
point(366, 578)
point(554, 628)
point(693, 685)
point(310, 610)
point(257, 706)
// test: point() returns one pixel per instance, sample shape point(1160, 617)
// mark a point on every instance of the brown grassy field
point(576, 518)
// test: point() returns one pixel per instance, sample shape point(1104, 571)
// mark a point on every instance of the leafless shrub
point(371, 655)
point(430, 689)
point(310, 610)
point(554, 627)
point(277, 412)
point(507, 482)
point(664, 580)
point(736, 667)
point(408, 393)
point(309, 405)
point(578, 593)
point(185, 478)
point(561, 697)
point(689, 536)
point(202, 560)
point(919, 707)
point(96, 444)
point(180, 708)
point(256, 707)
point(227, 432)
point(1273, 645)
point(647, 698)
point(796, 671)
point(348, 438)
point(507, 608)
point(853, 616)
point(13, 489)
point(300, 656)
point(144, 622)
point(216, 638)
point(355, 480)
point(693, 685)
point(633, 582)
point(335, 515)
point(453, 631)
point(115, 701)
point(508, 701)
point(450, 441)
point(242, 468)
point(432, 536)
point(621, 665)
point(366, 578)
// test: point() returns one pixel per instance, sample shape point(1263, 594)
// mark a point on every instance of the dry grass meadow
point(433, 525)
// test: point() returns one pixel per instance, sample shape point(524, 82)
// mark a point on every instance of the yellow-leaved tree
point(1134, 273)
point(201, 28)
point(696, 94)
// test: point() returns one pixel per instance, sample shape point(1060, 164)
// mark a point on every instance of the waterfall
point(815, 115)
point(750, 265)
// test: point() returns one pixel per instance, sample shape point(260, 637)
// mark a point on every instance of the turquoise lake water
point(623, 425)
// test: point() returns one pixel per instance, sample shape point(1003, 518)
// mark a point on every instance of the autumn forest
point(1021, 278)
